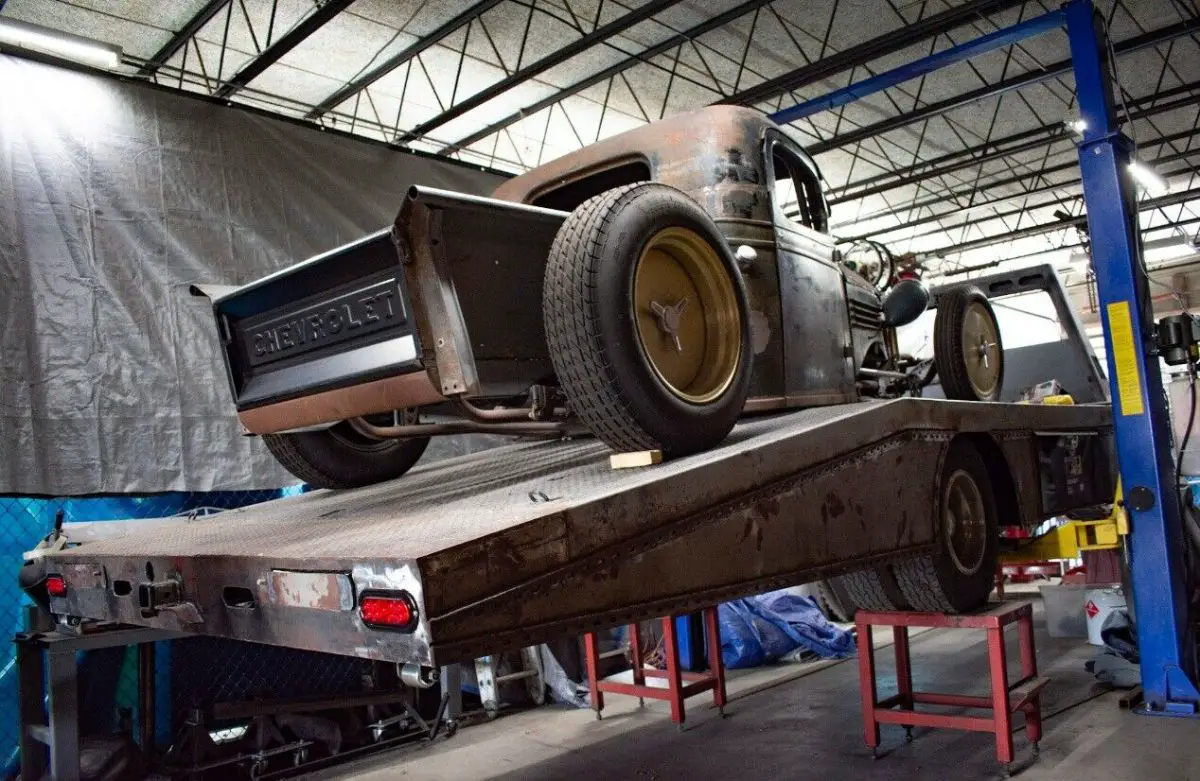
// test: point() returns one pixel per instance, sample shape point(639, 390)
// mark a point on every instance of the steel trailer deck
point(516, 545)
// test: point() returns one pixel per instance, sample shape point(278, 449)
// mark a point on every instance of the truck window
point(570, 195)
point(798, 191)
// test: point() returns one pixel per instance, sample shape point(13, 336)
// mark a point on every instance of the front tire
point(967, 347)
point(647, 321)
point(340, 457)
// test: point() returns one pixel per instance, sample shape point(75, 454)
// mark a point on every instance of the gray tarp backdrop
point(114, 197)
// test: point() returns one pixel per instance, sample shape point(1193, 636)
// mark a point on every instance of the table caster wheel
point(451, 728)
point(1037, 750)
point(908, 735)
point(680, 726)
point(641, 702)
point(599, 716)
point(874, 752)
point(721, 712)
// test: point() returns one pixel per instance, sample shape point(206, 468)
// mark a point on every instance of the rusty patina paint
point(713, 155)
point(314, 590)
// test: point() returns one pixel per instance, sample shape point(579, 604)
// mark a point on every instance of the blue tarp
point(762, 629)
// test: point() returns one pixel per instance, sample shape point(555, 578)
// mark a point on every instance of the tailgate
point(338, 319)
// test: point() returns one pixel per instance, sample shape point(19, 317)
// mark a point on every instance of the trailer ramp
point(517, 545)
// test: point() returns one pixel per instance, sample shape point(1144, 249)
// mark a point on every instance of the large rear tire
point(647, 321)
point(967, 347)
point(959, 577)
point(340, 457)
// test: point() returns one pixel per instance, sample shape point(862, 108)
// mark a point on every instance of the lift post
point(1166, 642)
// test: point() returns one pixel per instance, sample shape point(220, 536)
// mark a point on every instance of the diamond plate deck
point(536, 539)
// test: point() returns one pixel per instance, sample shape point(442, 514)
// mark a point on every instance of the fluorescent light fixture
point(1077, 126)
point(32, 37)
point(1146, 177)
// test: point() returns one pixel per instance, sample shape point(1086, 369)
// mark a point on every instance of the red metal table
point(680, 684)
point(1005, 698)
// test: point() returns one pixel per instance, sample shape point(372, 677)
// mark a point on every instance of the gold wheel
point(981, 350)
point(686, 310)
point(965, 522)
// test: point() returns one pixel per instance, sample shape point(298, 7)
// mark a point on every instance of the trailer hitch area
point(155, 596)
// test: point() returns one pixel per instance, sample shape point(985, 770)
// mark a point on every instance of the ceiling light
point(1149, 179)
point(1077, 126)
point(32, 37)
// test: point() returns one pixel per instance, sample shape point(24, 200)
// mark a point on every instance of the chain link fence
point(193, 673)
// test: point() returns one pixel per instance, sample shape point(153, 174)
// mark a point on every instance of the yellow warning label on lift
point(1129, 375)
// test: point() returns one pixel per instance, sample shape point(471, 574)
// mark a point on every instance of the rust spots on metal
point(81, 576)
point(331, 591)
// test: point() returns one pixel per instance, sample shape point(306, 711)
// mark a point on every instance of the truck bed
point(526, 542)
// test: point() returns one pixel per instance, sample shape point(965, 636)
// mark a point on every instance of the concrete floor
point(810, 727)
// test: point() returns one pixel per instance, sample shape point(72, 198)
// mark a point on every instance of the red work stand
point(1005, 699)
point(680, 684)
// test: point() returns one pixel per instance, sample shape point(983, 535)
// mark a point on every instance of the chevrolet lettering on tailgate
point(349, 315)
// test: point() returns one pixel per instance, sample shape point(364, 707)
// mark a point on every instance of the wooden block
point(631, 460)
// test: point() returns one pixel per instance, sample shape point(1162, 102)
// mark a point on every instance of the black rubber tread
point(865, 590)
point(590, 333)
point(834, 602)
point(323, 461)
point(930, 582)
point(918, 580)
point(947, 343)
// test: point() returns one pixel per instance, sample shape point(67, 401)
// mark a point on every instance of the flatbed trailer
point(527, 542)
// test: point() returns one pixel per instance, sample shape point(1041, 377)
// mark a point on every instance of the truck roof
point(716, 132)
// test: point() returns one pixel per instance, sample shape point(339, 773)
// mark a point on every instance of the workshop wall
point(114, 197)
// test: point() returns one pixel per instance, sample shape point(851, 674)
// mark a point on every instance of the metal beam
point(934, 62)
point(392, 63)
point(995, 202)
point(1171, 199)
point(1187, 95)
point(601, 76)
point(559, 56)
point(1062, 68)
point(181, 38)
point(272, 54)
point(865, 52)
point(1172, 226)
point(915, 174)
point(909, 208)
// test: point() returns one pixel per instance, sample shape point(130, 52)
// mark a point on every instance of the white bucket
point(1097, 604)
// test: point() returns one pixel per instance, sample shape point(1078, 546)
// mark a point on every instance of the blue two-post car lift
point(1166, 639)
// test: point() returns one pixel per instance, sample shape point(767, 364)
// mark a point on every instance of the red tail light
point(56, 586)
point(388, 610)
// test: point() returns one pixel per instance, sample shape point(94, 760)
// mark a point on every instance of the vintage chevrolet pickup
point(649, 289)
